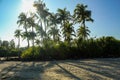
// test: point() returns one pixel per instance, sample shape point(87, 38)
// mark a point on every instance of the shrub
point(27, 54)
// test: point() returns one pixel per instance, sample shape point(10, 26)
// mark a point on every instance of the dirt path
point(92, 69)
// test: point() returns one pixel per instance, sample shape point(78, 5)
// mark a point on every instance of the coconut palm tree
point(54, 32)
point(42, 15)
point(17, 35)
point(83, 32)
point(23, 21)
point(32, 25)
point(63, 16)
point(68, 31)
point(40, 32)
point(81, 15)
point(53, 21)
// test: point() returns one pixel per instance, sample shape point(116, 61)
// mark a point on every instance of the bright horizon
point(106, 14)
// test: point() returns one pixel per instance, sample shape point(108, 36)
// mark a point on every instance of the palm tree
point(53, 21)
point(32, 24)
point(81, 15)
point(42, 15)
point(83, 32)
point(40, 32)
point(68, 31)
point(17, 35)
point(23, 20)
point(63, 16)
point(54, 32)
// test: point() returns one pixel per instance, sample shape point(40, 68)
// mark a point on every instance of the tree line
point(43, 26)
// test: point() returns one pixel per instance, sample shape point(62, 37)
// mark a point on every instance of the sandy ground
point(88, 69)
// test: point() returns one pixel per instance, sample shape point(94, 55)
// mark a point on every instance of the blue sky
point(106, 15)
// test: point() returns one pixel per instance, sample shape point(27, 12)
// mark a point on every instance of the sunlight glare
point(27, 6)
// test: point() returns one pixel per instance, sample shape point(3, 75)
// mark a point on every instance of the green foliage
point(8, 52)
point(27, 53)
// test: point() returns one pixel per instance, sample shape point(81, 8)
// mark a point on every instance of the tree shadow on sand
point(25, 71)
point(66, 72)
point(109, 69)
point(69, 69)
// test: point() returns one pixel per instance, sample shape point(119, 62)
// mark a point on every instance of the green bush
point(27, 54)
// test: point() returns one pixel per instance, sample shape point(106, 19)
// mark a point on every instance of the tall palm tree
point(54, 31)
point(83, 32)
point(23, 20)
point(42, 15)
point(68, 31)
point(63, 16)
point(81, 15)
point(31, 23)
point(17, 35)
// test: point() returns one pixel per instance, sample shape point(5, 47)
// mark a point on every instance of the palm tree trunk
point(19, 47)
point(32, 38)
point(84, 27)
point(27, 37)
point(19, 42)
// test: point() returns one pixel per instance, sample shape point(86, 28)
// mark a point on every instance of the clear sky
point(106, 15)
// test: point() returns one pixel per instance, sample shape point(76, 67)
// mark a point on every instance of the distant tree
point(5, 44)
point(0, 42)
point(12, 44)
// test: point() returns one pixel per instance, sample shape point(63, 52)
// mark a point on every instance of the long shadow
point(92, 69)
point(5, 71)
point(26, 70)
point(109, 62)
point(67, 72)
